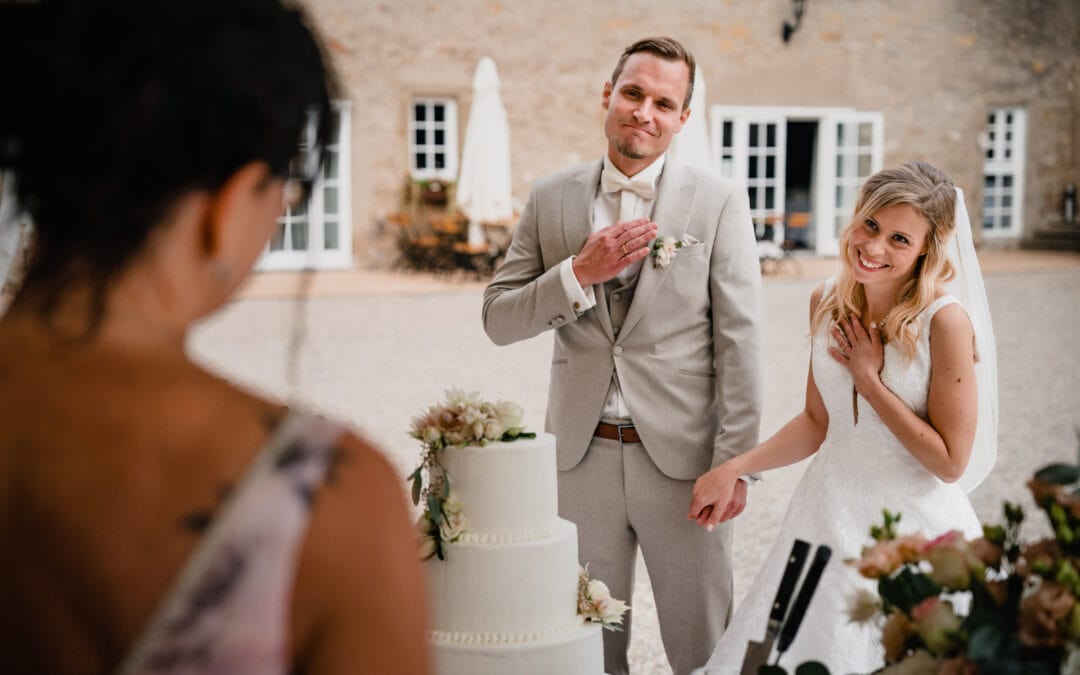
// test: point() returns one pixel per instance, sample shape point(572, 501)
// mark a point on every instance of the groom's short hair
point(666, 48)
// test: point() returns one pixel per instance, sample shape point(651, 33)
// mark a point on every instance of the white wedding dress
point(860, 469)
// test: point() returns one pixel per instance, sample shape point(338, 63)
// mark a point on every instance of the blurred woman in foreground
point(153, 517)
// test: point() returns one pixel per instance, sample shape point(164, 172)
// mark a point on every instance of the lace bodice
point(854, 426)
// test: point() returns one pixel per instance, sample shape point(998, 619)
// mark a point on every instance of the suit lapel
point(578, 197)
point(674, 204)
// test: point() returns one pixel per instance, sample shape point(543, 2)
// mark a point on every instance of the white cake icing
point(579, 650)
point(524, 587)
point(506, 488)
point(504, 601)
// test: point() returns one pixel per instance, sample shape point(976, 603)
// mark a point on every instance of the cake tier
point(576, 650)
point(506, 489)
point(508, 591)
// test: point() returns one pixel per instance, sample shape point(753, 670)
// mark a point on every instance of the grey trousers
point(620, 500)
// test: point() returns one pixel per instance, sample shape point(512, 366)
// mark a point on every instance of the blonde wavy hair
point(933, 196)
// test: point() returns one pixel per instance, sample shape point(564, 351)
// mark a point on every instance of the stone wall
point(932, 67)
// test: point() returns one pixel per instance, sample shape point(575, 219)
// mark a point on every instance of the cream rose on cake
point(462, 419)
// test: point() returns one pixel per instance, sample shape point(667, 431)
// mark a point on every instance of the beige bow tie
point(613, 182)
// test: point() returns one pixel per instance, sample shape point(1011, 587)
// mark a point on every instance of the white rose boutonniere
point(664, 248)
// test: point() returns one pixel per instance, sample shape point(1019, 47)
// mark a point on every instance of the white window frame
point(316, 255)
point(828, 156)
point(1005, 152)
point(449, 149)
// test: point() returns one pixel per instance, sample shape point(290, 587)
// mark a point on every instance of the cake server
point(757, 653)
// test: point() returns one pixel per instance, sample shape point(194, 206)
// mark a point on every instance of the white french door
point(752, 152)
point(848, 148)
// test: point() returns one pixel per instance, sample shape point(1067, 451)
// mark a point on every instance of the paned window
point(433, 138)
point(1003, 172)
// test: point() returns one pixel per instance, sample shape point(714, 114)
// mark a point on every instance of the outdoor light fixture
point(789, 27)
point(1069, 204)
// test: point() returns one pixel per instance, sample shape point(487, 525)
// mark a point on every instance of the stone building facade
point(949, 81)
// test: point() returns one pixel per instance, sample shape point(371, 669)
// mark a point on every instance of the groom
point(655, 375)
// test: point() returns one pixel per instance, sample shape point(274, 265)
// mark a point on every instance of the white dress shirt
point(610, 208)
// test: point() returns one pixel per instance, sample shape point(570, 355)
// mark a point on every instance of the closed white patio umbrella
point(483, 189)
point(692, 145)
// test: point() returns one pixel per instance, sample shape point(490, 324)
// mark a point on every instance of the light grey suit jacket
point(688, 353)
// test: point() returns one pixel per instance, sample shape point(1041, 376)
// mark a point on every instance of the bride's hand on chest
point(860, 350)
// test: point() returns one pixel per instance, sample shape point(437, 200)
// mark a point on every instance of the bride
point(895, 410)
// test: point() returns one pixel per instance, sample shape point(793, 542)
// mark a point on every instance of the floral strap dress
point(229, 609)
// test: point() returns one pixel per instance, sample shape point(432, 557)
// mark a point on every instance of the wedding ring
point(624, 250)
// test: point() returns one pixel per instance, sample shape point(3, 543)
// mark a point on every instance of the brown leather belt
point(624, 433)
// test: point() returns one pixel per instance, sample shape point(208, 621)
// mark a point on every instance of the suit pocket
point(556, 362)
point(695, 249)
point(696, 373)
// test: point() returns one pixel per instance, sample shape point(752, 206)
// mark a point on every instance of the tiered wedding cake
point(507, 594)
point(505, 597)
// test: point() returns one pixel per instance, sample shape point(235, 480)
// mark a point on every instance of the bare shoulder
point(951, 334)
point(363, 492)
point(360, 596)
point(950, 322)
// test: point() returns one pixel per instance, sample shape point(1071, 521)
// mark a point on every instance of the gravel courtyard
point(376, 359)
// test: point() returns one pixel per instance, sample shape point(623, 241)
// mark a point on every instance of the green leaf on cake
point(417, 486)
point(435, 512)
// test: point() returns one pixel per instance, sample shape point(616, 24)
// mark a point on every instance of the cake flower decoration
point(595, 603)
point(461, 420)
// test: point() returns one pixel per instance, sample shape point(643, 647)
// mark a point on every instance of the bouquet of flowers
point(463, 419)
point(989, 606)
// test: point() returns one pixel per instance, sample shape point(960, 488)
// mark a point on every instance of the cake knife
point(802, 601)
point(757, 653)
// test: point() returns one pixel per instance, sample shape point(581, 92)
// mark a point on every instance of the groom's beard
point(628, 151)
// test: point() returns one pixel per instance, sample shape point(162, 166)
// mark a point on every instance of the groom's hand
point(610, 250)
point(717, 497)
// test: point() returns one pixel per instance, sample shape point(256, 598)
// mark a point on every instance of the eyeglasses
point(295, 193)
point(304, 167)
point(299, 179)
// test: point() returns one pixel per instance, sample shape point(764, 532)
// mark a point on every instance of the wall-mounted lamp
point(790, 27)
point(1069, 204)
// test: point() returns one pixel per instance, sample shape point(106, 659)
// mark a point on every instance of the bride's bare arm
point(942, 445)
point(795, 441)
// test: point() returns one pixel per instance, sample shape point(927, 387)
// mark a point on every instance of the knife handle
point(798, 610)
point(799, 552)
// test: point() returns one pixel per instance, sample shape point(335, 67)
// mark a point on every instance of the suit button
point(618, 350)
point(556, 321)
point(577, 305)
point(616, 296)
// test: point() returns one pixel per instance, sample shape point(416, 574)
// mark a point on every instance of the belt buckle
point(620, 427)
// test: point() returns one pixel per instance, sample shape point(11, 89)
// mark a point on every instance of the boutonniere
point(664, 248)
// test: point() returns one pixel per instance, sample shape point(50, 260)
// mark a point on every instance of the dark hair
point(666, 48)
point(119, 107)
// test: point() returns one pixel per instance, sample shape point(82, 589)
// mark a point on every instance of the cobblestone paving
point(376, 360)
